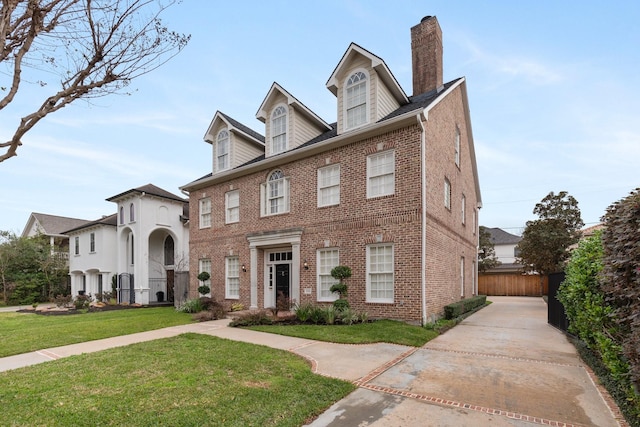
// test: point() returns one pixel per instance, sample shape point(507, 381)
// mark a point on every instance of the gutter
point(423, 219)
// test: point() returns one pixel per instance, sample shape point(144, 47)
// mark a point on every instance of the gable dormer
point(288, 122)
point(365, 88)
point(232, 143)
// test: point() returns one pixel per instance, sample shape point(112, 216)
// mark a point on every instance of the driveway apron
point(504, 365)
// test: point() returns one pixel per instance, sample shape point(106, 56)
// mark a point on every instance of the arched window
point(356, 100)
point(275, 194)
point(121, 214)
point(222, 151)
point(169, 254)
point(132, 213)
point(279, 130)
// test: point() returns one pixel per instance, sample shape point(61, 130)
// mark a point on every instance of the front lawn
point(388, 331)
point(26, 332)
point(187, 380)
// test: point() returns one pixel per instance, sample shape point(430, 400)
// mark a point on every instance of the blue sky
point(553, 92)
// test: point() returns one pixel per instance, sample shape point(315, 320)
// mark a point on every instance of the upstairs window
point(279, 130)
point(457, 147)
point(222, 151)
point(329, 185)
point(205, 213)
point(121, 214)
point(76, 242)
point(463, 208)
point(381, 170)
point(275, 194)
point(232, 202)
point(132, 213)
point(356, 100)
point(447, 194)
point(92, 242)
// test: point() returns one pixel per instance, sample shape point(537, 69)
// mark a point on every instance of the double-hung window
point(232, 285)
point(232, 203)
point(381, 171)
point(279, 130)
point(463, 209)
point(327, 259)
point(447, 194)
point(204, 264)
point(457, 147)
point(205, 212)
point(92, 242)
point(329, 185)
point(380, 273)
point(356, 100)
point(222, 151)
point(275, 194)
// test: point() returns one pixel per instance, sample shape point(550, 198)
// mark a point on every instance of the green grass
point(188, 380)
point(388, 331)
point(23, 333)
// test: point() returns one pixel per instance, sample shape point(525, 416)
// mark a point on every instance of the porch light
point(305, 265)
point(244, 268)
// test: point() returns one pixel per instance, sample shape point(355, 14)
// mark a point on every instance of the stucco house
point(144, 245)
point(391, 190)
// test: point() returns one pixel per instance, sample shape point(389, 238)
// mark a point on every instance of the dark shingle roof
point(149, 189)
point(243, 128)
point(501, 237)
point(105, 220)
point(56, 225)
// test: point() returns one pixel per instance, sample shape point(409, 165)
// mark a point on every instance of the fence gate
point(126, 294)
point(180, 288)
point(555, 310)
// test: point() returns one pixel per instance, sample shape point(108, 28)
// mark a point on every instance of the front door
point(282, 281)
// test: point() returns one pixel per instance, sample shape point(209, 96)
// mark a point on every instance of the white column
point(295, 273)
point(253, 272)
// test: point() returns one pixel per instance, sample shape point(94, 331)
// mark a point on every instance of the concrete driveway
point(503, 366)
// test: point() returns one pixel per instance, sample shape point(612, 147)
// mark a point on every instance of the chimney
point(426, 55)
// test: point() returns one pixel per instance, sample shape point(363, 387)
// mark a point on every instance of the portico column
point(253, 272)
point(295, 273)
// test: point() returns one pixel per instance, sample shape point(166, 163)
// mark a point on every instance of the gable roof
point(51, 225)
point(377, 64)
point(109, 220)
point(501, 237)
point(148, 189)
point(261, 114)
point(234, 126)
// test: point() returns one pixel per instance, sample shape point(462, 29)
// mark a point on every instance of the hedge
point(458, 308)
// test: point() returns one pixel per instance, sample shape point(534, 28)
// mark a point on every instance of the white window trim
point(216, 159)
point(229, 208)
point(461, 276)
point(76, 245)
point(264, 196)
point(202, 212)
point(333, 296)
point(204, 264)
point(367, 104)
point(457, 147)
point(321, 187)
point(286, 129)
point(368, 279)
point(92, 243)
point(370, 176)
point(447, 193)
point(463, 208)
point(227, 275)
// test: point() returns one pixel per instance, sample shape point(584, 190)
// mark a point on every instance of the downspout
point(423, 232)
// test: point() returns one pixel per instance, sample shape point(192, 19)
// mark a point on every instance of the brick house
point(391, 190)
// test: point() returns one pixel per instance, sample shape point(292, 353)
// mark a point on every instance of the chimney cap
point(426, 18)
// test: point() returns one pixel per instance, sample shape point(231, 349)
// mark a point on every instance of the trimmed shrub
point(458, 308)
point(252, 318)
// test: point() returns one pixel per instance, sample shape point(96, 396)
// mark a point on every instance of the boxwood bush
point(458, 308)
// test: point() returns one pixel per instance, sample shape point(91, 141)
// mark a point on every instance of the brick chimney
point(426, 55)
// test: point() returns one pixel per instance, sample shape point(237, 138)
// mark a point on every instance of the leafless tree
point(91, 48)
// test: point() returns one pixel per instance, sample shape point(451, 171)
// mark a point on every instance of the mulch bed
point(54, 311)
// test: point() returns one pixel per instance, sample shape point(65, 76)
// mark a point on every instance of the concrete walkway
point(502, 366)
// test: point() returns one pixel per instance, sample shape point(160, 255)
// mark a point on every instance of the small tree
point(203, 277)
point(486, 251)
point(341, 273)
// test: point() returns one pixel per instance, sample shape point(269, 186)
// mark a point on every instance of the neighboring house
point(145, 244)
point(390, 190)
point(506, 250)
point(53, 227)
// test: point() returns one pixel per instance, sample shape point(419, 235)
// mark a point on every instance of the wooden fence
point(512, 285)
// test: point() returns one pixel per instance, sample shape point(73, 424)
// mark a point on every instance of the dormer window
point(356, 100)
point(222, 150)
point(279, 130)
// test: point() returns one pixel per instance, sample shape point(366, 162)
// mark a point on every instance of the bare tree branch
point(94, 47)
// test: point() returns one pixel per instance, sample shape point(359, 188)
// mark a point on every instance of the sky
point(553, 94)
